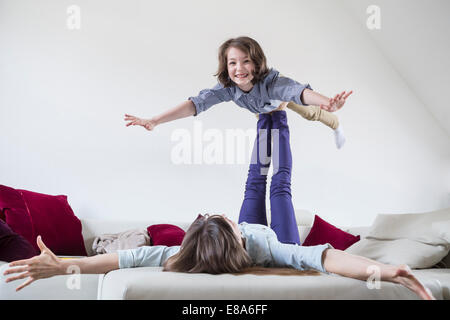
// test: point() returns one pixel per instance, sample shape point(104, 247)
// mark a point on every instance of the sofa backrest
point(93, 228)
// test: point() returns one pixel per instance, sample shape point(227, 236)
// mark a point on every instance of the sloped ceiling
point(415, 39)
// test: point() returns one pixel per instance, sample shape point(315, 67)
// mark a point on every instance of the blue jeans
point(253, 209)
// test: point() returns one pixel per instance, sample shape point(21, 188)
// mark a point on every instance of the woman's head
point(241, 62)
point(212, 244)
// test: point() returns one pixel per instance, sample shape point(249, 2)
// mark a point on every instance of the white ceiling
point(414, 38)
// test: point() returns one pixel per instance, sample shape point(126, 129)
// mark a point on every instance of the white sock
point(339, 137)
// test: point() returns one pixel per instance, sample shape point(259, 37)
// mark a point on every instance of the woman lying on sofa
point(215, 244)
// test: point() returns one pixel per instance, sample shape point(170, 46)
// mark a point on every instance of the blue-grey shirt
point(261, 244)
point(265, 96)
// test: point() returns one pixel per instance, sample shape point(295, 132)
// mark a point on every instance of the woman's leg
point(283, 220)
point(357, 267)
point(253, 209)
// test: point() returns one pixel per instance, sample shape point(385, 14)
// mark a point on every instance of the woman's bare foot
point(281, 107)
point(404, 276)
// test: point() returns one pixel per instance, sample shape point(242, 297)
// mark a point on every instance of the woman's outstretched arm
point(357, 267)
point(47, 265)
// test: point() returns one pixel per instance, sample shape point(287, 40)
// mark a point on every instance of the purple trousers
point(253, 208)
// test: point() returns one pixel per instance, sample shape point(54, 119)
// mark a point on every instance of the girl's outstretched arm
point(310, 97)
point(47, 265)
point(183, 110)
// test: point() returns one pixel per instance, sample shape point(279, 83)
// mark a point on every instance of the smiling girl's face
point(240, 68)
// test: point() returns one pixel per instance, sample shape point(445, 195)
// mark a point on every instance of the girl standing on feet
point(215, 244)
point(243, 77)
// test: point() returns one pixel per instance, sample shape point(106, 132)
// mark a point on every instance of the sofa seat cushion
point(66, 287)
point(153, 283)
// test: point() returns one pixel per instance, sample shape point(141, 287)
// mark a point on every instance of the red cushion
point(2, 215)
point(31, 214)
point(322, 232)
point(165, 235)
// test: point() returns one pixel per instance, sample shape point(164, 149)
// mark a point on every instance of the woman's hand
point(135, 121)
point(42, 266)
point(336, 103)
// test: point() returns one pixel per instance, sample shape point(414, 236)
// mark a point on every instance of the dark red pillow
point(31, 214)
point(2, 215)
point(165, 235)
point(13, 246)
point(322, 232)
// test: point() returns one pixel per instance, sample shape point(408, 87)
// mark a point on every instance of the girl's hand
point(336, 103)
point(135, 121)
point(39, 267)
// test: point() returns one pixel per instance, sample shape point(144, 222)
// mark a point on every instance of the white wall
point(63, 94)
point(413, 37)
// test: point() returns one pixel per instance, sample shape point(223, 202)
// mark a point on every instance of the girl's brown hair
point(211, 246)
point(252, 49)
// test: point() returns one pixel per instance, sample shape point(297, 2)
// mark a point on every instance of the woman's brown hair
point(211, 246)
point(252, 49)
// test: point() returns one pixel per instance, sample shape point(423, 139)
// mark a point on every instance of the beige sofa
point(152, 283)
